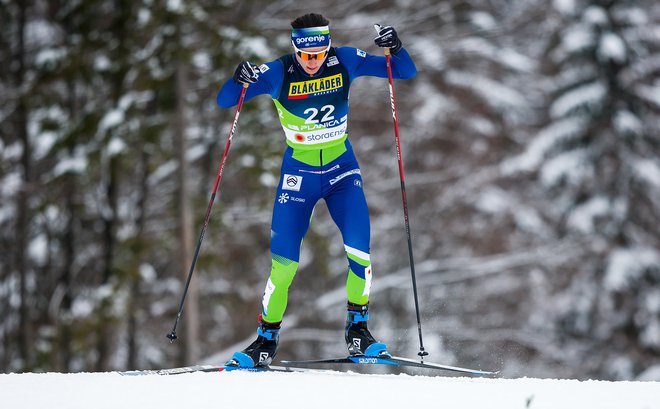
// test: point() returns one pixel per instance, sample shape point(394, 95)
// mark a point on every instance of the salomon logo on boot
point(263, 357)
point(356, 343)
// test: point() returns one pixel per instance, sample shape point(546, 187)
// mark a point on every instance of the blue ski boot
point(358, 338)
point(261, 352)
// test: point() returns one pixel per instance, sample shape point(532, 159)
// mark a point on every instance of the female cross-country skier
point(310, 89)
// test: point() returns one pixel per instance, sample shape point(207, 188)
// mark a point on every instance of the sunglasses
point(316, 55)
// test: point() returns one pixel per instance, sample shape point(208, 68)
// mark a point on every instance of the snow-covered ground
point(315, 390)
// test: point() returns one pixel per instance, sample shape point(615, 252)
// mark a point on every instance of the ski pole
point(399, 156)
point(172, 335)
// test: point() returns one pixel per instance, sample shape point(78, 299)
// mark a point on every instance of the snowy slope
point(315, 390)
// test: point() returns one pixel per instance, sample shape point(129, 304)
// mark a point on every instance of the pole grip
point(377, 27)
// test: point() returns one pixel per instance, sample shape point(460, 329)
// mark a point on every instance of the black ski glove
point(387, 38)
point(246, 73)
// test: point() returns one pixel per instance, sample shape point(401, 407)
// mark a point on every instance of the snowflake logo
point(284, 197)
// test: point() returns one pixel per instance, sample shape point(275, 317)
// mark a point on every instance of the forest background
point(530, 137)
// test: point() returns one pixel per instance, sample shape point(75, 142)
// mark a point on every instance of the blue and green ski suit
point(318, 163)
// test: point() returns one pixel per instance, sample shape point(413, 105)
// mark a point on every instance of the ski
point(394, 361)
point(216, 368)
point(271, 368)
point(292, 366)
point(173, 371)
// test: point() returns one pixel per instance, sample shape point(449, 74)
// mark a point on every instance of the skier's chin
point(312, 71)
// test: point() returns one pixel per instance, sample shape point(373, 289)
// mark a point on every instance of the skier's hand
point(388, 38)
point(246, 73)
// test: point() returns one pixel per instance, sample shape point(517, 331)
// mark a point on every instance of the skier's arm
point(360, 63)
point(403, 65)
point(268, 81)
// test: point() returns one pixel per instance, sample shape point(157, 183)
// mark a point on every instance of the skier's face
point(311, 58)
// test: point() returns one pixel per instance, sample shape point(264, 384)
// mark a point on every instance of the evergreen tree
point(597, 161)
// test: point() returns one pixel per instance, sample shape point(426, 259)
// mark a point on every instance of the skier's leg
point(348, 208)
point(291, 215)
point(292, 212)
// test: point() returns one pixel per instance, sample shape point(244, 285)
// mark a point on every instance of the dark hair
point(310, 20)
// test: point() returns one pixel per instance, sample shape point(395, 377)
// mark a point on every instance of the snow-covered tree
point(596, 161)
point(530, 141)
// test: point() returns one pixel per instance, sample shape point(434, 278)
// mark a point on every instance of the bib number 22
point(312, 114)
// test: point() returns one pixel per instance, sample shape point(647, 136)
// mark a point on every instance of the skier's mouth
point(312, 69)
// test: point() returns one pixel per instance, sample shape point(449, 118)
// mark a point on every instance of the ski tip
point(484, 373)
point(479, 372)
